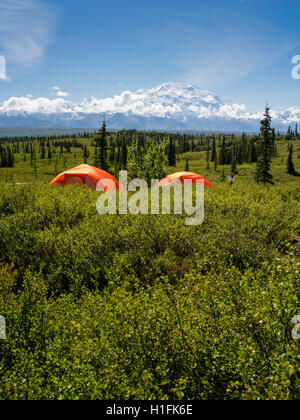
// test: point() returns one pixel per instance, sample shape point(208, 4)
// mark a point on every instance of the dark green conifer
point(265, 149)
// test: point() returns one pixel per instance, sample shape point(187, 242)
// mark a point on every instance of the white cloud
point(168, 100)
point(25, 29)
point(58, 92)
point(62, 94)
point(29, 105)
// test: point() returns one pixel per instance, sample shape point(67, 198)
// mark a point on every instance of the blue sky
point(241, 50)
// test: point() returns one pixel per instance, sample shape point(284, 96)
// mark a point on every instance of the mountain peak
point(180, 89)
point(171, 105)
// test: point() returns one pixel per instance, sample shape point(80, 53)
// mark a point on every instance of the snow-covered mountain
point(170, 106)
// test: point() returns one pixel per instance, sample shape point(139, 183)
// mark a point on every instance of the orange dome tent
point(87, 175)
point(181, 176)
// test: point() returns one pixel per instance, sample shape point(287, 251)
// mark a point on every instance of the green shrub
point(144, 307)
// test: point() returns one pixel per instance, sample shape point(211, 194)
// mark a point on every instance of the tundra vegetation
point(145, 307)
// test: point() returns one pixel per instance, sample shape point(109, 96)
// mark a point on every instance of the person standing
point(231, 180)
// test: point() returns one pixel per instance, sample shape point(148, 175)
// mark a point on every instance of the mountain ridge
point(169, 106)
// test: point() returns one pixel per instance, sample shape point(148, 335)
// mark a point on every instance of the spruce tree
point(290, 164)
point(31, 155)
point(207, 154)
point(85, 154)
point(216, 163)
point(222, 152)
point(172, 152)
point(43, 152)
point(112, 154)
point(233, 164)
point(214, 151)
point(123, 154)
point(243, 153)
point(9, 162)
point(239, 151)
point(185, 144)
point(223, 175)
point(263, 169)
point(101, 148)
point(193, 145)
point(253, 154)
point(187, 167)
point(118, 153)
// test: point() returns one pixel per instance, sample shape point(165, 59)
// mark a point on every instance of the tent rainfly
point(181, 176)
point(95, 178)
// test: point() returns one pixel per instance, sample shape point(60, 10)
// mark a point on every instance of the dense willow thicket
point(145, 307)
